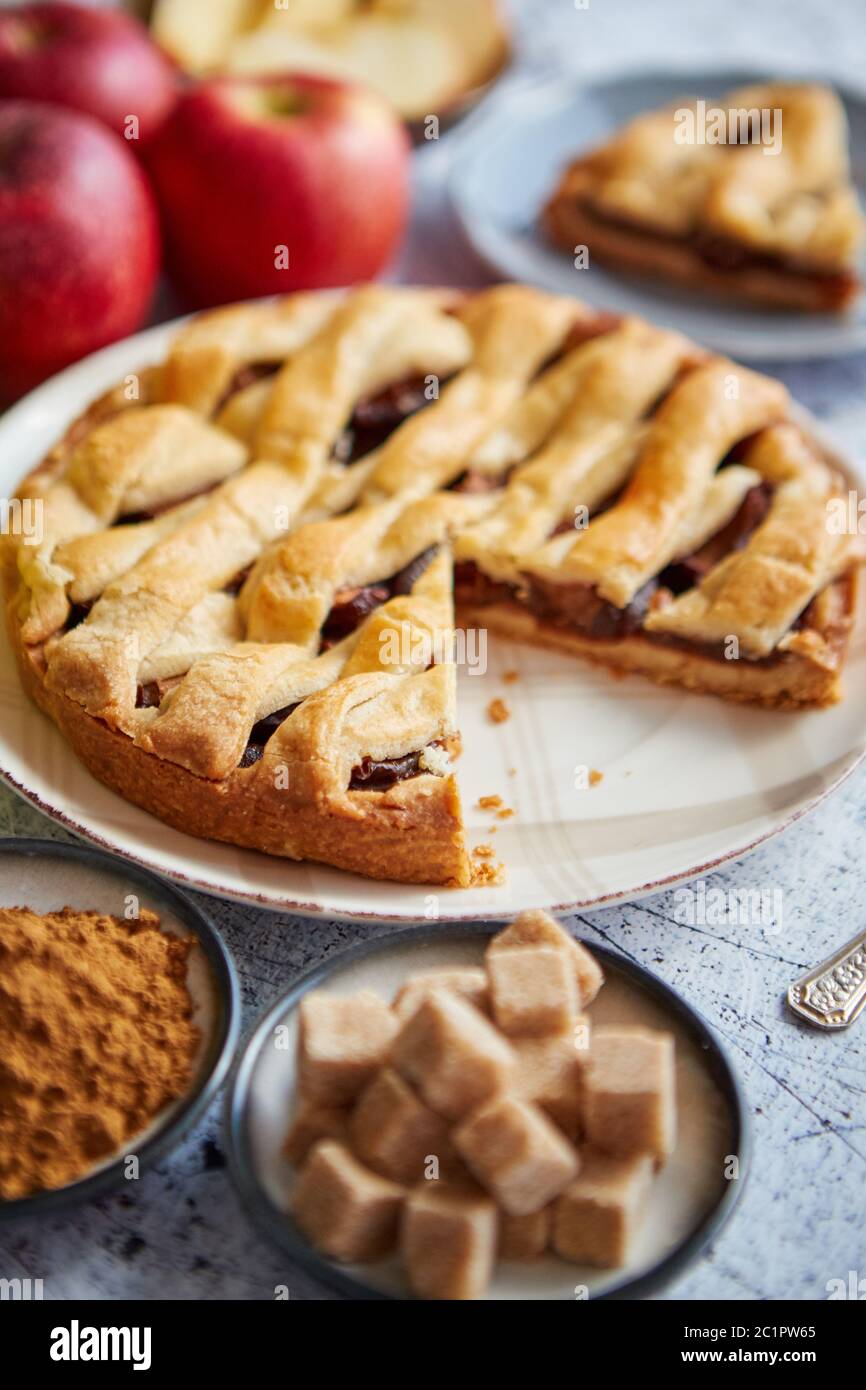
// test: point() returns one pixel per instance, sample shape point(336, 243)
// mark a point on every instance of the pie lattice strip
point(204, 722)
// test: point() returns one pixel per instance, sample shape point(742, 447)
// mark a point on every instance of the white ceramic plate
point(688, 781)
point(509, 159)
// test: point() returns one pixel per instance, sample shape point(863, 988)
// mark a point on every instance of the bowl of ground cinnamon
point(119, 1014)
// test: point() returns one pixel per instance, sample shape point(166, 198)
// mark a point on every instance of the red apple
point(102, 62)
point(245, 166)
point(79, 241)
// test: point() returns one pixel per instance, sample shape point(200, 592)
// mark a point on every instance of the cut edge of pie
point(226, 669)
point(790, 681)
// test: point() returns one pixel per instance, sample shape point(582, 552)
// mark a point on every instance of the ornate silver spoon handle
point(834, 993)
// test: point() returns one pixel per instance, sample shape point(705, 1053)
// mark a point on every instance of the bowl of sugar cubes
point(453, 1112)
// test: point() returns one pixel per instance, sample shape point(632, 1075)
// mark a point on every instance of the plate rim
point(556, 87)
point(91, 839)
point(146, 342)
point(215, 1066)
point(279, 1226)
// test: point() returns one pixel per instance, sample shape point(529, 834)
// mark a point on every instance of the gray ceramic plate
point(45, 876)
point(691, 1199)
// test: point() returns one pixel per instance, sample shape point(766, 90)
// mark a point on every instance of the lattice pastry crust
point(775, 220)
point(240, 611)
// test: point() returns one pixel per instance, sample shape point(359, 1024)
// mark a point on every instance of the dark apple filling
point(686, 573)
point(729, 256)
point(472, 585)
point(404, 581)
point(77, 613)
point(352, 605)
point(262, 732)
point(377, 775)
point(246, 376)
point(376, 417)
point(371, 774)
point(350, 608)
point(474, 481)
point(579, 606)
point(148, 695)
point(235, 585)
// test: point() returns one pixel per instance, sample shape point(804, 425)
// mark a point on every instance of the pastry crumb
point(489, 803)
point(487, 875)
point(595, 777)
point(512, 772)
point(505, 813)
point(484, 851)
point(511, 676)
point(498, 711)
point(436, 760)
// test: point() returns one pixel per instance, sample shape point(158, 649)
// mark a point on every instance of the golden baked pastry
point(424, 56)
point(765, 213)
point(240, 609)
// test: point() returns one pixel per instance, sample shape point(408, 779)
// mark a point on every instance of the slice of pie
point(750, 197)
point(240, 609)
point(424, 56)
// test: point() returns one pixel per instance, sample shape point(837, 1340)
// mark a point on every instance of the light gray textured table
point(181, 1233)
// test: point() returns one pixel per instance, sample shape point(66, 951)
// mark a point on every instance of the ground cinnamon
point(96, 1036)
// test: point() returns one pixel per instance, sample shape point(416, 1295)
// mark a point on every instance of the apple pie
point(240, 606)
point(750, 198)
point(424, 56)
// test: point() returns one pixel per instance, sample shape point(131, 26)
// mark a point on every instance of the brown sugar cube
point(550, 1073)
point(342, 1041)
point(524, 1237)
point(394, 1132)
point(532, 990)
point(470, 982)
point(517, 1154)
point(629, 1097)
point(311, 1123)
point(448, 1240)
point(540, 929)
point(344, 1209)
point(597, 1216)
point(450, 1053)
